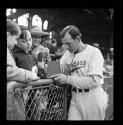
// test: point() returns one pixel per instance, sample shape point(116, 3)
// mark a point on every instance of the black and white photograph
point(60, 64)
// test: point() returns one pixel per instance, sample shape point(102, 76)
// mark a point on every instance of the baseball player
point(89, 100)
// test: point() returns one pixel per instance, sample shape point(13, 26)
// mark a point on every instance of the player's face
point(69, 42)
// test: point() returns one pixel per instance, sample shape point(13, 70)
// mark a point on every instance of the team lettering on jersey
point(77, 65)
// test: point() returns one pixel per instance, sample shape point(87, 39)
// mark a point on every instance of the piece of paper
point(54, 68)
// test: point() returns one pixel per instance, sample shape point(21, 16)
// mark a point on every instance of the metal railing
point(41, 103)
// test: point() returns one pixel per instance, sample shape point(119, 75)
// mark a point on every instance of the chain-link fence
point(41, 103)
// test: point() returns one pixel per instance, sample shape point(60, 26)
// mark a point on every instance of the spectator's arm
point(20, 75)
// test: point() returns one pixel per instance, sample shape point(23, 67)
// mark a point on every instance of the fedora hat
point(22, 27)
point(37, 31)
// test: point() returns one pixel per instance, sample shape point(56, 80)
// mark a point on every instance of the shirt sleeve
point(20, 75)
point(87, 82)
point(96, 63)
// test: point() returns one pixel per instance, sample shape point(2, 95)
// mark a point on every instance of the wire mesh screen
point(41, 103)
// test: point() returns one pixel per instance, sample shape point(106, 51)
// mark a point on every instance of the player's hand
point(60, 78)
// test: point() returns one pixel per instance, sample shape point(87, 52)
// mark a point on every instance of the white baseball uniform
point(86, 73)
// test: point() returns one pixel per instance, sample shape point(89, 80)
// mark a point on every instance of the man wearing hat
point(40, 53)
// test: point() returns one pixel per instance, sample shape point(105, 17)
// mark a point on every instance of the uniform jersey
point(89, 62)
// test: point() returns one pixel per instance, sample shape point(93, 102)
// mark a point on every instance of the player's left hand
point(60, 78)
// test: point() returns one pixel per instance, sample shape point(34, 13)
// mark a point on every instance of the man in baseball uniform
point(89, 100)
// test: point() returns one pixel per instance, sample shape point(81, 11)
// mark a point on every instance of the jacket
point(17, 74)
point(22, 59)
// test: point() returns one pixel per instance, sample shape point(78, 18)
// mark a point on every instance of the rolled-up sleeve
point(20, 75)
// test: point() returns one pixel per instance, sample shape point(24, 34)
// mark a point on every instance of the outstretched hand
point(60, 78)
